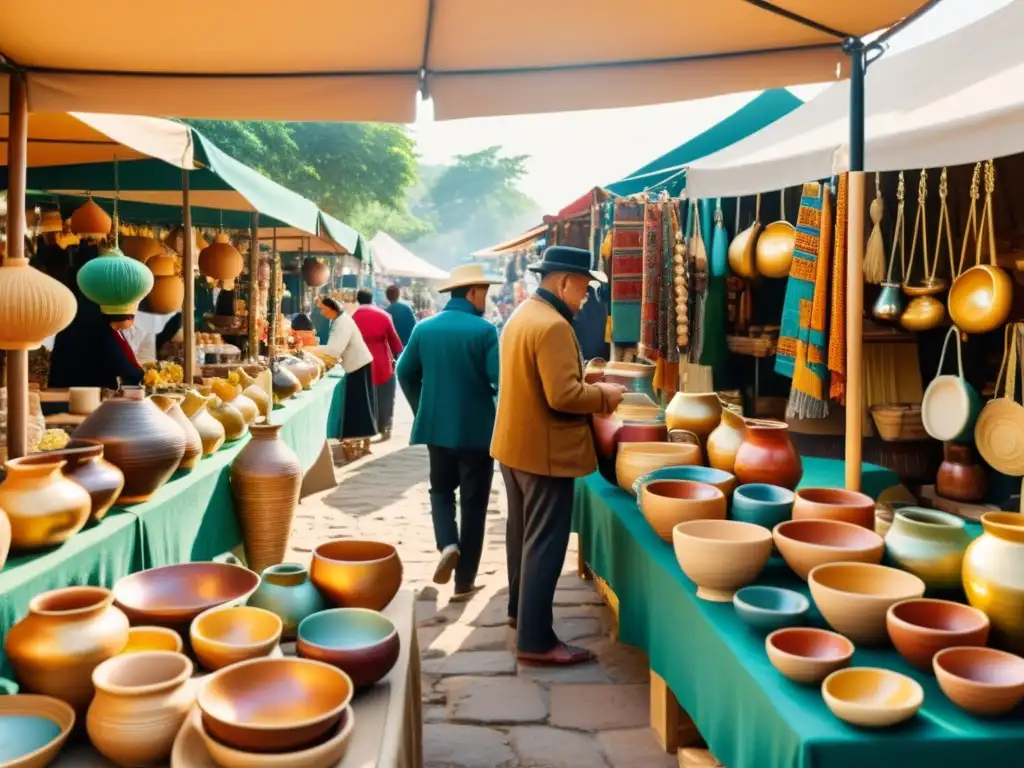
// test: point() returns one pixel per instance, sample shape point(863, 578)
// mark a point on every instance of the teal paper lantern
point(115, 282)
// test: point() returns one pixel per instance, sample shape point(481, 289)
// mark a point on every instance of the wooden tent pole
point(254, 269)
point(17, 164)
point(188, 274)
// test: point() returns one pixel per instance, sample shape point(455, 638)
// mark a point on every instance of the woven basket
point(899, 422)
point(752, 346)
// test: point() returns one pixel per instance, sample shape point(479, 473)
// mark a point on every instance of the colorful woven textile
point(800, 285)
point(650, 301)
point(837, 324)
point(627, 271)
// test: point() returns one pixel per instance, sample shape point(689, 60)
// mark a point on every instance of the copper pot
point(767, 455)
point(960, 477)
point(980, 299)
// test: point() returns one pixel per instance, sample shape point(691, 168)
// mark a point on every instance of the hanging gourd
point(140, 248)
point(90, 222)
point(164, 265)
point(51, 223)
point(175, 240)
point(315, 272)
point(167, 295)
point(221, 260)
point(115, 282)
point(33, 306)
point(775, 245)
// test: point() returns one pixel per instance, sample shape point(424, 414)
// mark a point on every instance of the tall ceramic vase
point(767, 455)
point(171, 405)
point(265, 480)
point(994, 579)
point(44, 507)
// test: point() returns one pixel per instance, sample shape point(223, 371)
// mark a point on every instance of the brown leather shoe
point(561, 655)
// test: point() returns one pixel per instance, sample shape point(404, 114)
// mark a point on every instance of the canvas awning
point(515, 244)
point(366, 61)
point(956, 100)
point(392, 258)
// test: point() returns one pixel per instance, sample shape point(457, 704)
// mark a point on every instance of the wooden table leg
point(670, 723)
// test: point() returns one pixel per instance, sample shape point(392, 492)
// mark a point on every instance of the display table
point(388, 729)
point(751, 716)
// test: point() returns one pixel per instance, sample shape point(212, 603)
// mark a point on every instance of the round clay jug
point(994, 579)
point(265, 481)
point(245, 406)
point(960, 477)
point(44, 507)
point(211, 431)
point(65, 636)
point(139, 439)
point(286, 590)
point(171, 405)
point(929, 544)
point(84, 463)
point(285, 384)
point(697, 412)
point(724, 441)
point(229, 417)
point(141, 701)
point(767, 455)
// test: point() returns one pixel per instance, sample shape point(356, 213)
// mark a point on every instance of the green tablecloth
point(750, 715)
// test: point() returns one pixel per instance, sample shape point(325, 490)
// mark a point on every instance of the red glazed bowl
point(835, 504)
point(921, 627)
point(983, 681)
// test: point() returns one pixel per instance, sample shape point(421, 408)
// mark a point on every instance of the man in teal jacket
point(449, 374)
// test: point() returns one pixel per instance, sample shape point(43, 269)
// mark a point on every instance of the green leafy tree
point(474, 184)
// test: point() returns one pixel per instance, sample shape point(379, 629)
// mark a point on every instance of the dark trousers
point(471, 472)
point(386, 403)
point(537, 537)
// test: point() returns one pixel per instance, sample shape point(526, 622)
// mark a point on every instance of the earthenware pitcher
point(994, 578)
point(698, 412)
point(767, 455)
point(286, 590)
point(928, 543)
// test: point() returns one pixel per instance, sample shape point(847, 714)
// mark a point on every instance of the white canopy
point(956, 100)
point(392, 258)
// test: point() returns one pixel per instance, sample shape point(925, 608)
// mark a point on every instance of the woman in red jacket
point(379, 333)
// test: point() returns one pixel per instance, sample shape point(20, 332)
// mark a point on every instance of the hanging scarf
point(627, 271)
point(837, 325)
point(650, 300)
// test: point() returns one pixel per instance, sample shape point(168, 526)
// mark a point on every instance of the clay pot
point(960, 478)
point(929, 544)
point(85, 465)
point(357, 574)
point(362, 643)
point(920, 628)
point(229, 417)
point(305, 372)
point(835, 504)
point(144, 639)
point(33, 306)
point(630, 423)
point(766, 609)
point(635, 377)
point(724, 441)
point(5, 538)
point(315, 272)
point(141, 701)
point(265, 480)
point(171, 405)
point(245, 406)
point(872, 697)
point(720, 556)
point(807, 655)
point(210, 430)
point(286, 590)
point(806, 544)
point(285, 383)
point(139, 439)
point(767, 455)
point(723, 481)
point(983, 681)
point(697, 412)
point(65, 636)
point(43, 507)
point(666, 503)
point(636, 459)
point(993, 579)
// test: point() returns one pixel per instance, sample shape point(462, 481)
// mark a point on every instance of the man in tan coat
point(543, 440)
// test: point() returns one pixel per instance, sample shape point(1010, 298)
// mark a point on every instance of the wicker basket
point(899, 422)
point(752, 346)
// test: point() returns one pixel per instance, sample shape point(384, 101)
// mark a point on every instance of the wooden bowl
point(274, 705)
point(666, 503)
point(807, 655)
point(636, 459)
point(224, 636)
point(806, 544)
point(33, 729)
point(143, 639)
point(835, 504)
point(855, 597)
point(357, 574)
point(766, 609)
point(983, 681)
point(720, 556)
point(872, 697)
point(922, 627)
point(358, 641)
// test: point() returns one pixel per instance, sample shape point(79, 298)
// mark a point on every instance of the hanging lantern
point(33, 306)
point(51, 223)
point(164, 265)
point(221, 260)
point(315, 272)
point(167, 295)
point(140, 248)
point(115, 282)
point(90, 222)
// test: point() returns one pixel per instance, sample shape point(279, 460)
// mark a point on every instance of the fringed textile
point(837, 324)
point(800, 284)
point(627, 271)
point(650, 300)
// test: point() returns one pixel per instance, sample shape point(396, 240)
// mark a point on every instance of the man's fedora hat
point(562, 258)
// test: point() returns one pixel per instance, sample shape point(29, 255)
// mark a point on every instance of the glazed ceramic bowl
point(33, 730)
point(143, 639)
point(920, 628)
point(666, 503)
point(636, 459)
point(722, 480)
point(720, 556)
point(807, 655)
point(224, 636)
point(358, 641)
point(766, 609)
point(274, 705)
point(983, 681)
point(357, 574)
point(806, 544)
point(835, 504)
point(762, 504)
point(855, 597)
point(872, 697)
point(172, 596)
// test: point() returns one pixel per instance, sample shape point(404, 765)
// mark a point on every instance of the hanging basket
point(898, 422)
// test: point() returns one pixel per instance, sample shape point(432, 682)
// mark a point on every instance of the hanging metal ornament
point(889, 305)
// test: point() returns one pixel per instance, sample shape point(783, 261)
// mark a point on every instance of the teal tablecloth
point(749, 714)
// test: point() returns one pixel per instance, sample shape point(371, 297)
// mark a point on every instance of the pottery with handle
point(767, 455)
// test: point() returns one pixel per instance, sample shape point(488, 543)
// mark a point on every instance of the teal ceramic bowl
point(33, 729)
point(762, 504)
point(358, 641)
point(766, 609)
point(722, 480)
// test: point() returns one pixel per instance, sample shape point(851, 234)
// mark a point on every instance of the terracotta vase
point(84, 464)
point(635, 377)
point(767, 455)
point(724, 441)
point(141, 701)
point(167, 294)
point(285, 383)
point(697, 412)
point(994, 580)
point(265, 481)
point(139, 439)
point(171, 405)
point(929, 544)
point(211, 431)
point(65, 636)
point(44, 507)
point(287, 591)
point(960, 478)
point(628, 424)
point(229, 417)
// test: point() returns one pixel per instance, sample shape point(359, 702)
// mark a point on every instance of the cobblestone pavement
point(481, 709)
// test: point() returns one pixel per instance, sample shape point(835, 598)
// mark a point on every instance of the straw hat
point(466, 274)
